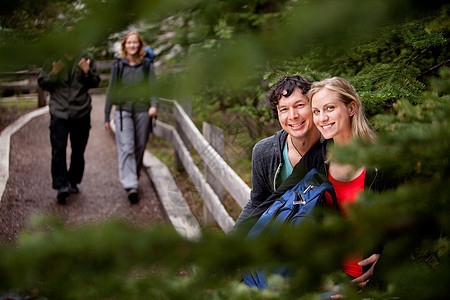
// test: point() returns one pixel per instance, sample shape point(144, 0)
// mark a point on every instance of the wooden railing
point(26, 81)
point(23, 81)
point(185, 134)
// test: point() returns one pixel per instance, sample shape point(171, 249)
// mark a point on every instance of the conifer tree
point(401, 73)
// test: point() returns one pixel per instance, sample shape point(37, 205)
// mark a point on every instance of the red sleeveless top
point(346, 193)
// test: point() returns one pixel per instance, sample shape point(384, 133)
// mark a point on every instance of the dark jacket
point(132, 88)
point(316, 158)
point(374, 180)
point(267, 161)
point(266, 165)
point(69, 97)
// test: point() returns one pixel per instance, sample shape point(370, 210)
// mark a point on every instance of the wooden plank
point(22, 85)
point(178, 211)
point(163, 130)
point(32, 73)
point(104, 64)
point(5, 138)
point(214, 136)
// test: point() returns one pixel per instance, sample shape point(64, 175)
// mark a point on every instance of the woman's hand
point(108, 126)
point(152, 112)
point(362, 280)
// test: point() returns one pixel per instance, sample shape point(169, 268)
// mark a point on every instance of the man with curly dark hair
point(275, 157)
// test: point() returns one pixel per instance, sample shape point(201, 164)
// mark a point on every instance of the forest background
point(218, 58)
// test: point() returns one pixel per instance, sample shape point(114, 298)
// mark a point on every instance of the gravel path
point(29, 191)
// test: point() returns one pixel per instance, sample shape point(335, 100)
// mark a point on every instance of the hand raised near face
point(57, 66)
point(84, 64)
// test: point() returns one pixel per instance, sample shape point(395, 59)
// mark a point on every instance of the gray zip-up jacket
point(268, 186)
point(131, 87)
point(69, 97)
point(267, 161)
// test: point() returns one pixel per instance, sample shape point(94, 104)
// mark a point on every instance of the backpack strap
point(119, 81)
point(119, 70)
point(147, 65)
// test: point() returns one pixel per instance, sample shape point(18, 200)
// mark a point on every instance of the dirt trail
point(29, 191)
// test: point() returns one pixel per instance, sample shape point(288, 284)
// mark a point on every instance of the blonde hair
point(347, 94)
point(141, 51)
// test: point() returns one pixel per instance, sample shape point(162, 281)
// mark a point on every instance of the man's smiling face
point(295, 114)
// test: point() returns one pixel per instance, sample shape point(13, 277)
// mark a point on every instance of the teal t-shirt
point(287, 168)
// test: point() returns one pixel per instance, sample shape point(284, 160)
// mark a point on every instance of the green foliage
point(385, 61)
point(412, 152)
point(391, 64)
point(115, 260)
point(37, 15)
point(415, 133)
point(394, 52)
point(19, 105)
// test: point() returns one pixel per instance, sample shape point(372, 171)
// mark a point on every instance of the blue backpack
point(301, 203)
point(150, 53)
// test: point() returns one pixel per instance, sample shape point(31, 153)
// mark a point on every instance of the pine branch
point(434, 68)
point(381, 77)
point(421, 53)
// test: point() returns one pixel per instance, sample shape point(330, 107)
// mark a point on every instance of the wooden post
point(41, 97)
point(179, 128)
point(214, 135)
point(34, 86)
point(177, 163)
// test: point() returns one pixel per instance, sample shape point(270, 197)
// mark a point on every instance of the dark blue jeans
point(60, 130)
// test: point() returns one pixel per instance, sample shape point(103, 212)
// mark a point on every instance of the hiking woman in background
point(338, 114)
point(132, 91)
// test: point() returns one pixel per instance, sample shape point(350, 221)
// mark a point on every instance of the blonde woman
point(338, 114)
point(131, 90)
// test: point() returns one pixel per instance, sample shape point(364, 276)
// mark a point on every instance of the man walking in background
point(68, 78)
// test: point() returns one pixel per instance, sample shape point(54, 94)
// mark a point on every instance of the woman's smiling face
point(332, 116)
point(294, 114)
point(132, 45)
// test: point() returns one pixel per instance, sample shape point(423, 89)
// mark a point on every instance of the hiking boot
point(63, 193)
point(73, 188)
point(133, 196)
